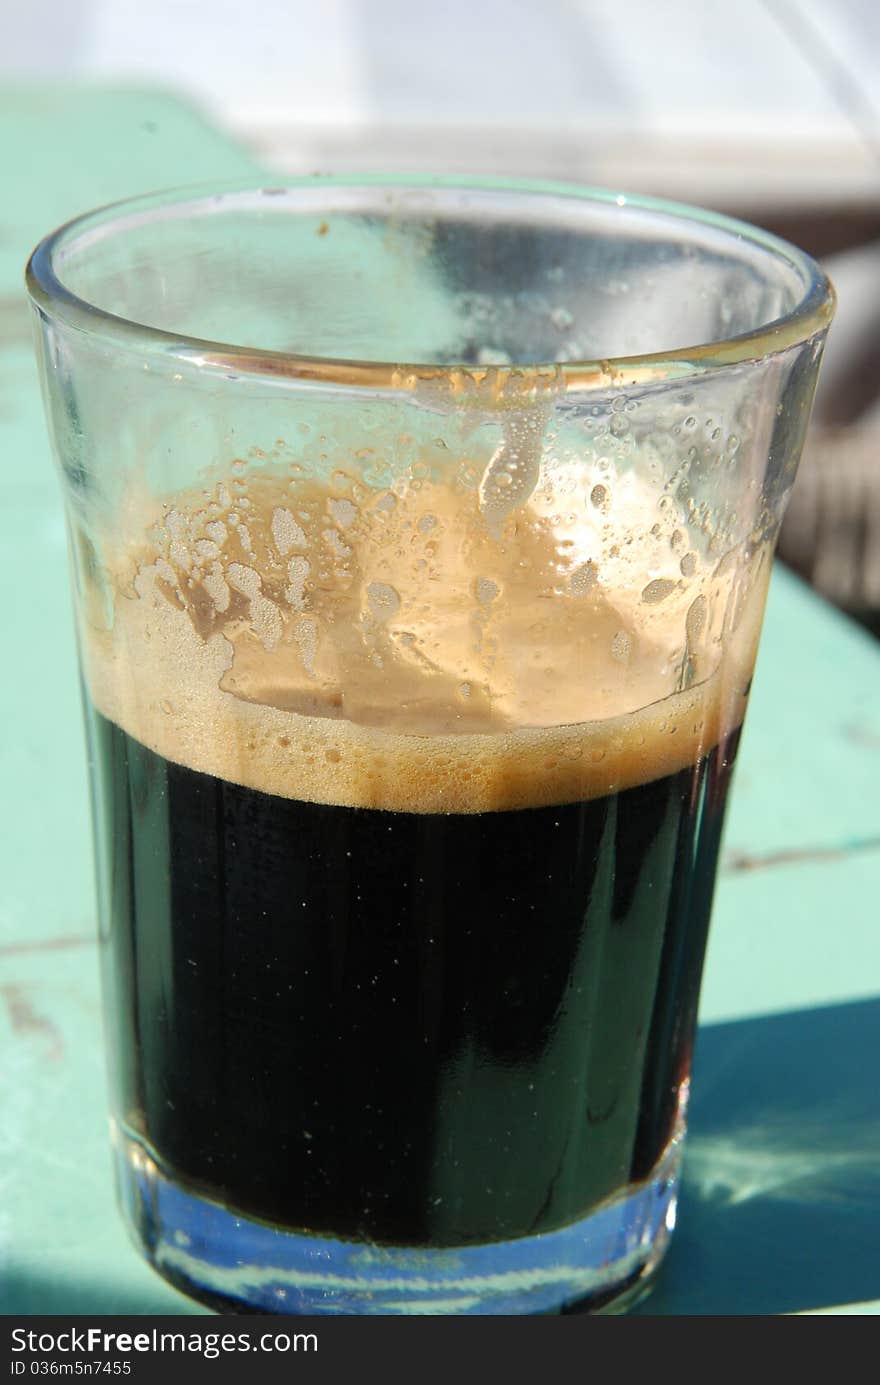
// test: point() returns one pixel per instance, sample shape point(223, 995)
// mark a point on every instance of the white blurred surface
point(683, 97)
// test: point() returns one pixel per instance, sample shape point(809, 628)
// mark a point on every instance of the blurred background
point(768, 109)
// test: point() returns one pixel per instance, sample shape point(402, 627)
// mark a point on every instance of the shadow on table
point(780, 1206)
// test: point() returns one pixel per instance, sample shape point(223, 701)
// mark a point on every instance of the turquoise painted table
point(781, 1202)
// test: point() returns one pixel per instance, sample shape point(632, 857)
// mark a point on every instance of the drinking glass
point(420, 532)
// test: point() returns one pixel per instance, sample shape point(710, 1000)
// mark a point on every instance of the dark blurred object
point(831, 533)
point(823, 231)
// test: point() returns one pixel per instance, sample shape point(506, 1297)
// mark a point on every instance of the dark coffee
point(415, 1029)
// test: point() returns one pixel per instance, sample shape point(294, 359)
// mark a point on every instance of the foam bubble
point(286, 532)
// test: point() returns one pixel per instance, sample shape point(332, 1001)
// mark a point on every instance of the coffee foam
point(404, 650)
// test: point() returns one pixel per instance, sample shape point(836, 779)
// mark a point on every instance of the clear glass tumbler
point(420, 535)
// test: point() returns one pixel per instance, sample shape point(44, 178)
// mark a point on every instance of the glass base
point(602, 1263)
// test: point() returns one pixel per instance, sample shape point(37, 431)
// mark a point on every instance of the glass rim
point(810, 317)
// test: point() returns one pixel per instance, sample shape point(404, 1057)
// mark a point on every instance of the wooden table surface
point(780, 1209)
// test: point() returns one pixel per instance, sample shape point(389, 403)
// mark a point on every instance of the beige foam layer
point(411, 657)
point(320, 760)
